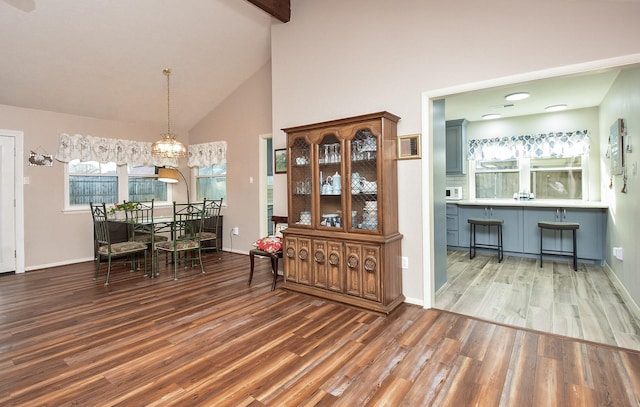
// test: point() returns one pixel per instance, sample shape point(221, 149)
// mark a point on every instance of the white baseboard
point(633, 307)
point(414, 301)
point(60, 263)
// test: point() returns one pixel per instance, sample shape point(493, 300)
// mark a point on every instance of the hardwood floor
point(581, 304)
point(212, 340)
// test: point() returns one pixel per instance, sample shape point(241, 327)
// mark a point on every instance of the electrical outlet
point(617, 253)
point(405, 262)
point(235, 231)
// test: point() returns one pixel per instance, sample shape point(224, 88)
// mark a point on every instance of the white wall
point(342, 58)
point(53, 237)
point(623, 101)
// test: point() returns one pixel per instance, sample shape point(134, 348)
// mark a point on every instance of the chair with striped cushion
point(186, 228)
point(108, 249)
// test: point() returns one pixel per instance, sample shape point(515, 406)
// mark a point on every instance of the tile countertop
point(539, 203)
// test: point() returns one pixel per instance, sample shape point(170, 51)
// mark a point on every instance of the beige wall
point(240, 120)
point(53, 237)
point(623, 101)
point(338, 59)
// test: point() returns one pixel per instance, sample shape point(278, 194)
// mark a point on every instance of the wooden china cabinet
point(343, 242)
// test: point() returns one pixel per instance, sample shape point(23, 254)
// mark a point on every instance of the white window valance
point(568, 144)
point(201, 155)
point(104, 150)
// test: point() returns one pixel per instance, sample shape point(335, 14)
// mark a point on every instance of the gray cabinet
point(512, 238)
point(456, 146)
point(452, 225)
point(589, 238)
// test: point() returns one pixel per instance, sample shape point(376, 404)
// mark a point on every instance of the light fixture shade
point(168, 147)
point(517, 96)
point(168, 175)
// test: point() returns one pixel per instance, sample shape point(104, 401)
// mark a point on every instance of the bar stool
point(473, 245)
point(560, 226)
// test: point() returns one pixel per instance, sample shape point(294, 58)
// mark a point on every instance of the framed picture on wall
point(616, 147)
point(280, 161)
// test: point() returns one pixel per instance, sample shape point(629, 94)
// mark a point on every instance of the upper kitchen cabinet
point(456, 142)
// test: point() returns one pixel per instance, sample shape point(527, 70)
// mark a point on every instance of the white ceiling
point(576, 91)
point(104, 58)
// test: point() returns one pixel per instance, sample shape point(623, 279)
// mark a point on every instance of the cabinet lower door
point(327, 265)
point(363, 271)
point(298, 260)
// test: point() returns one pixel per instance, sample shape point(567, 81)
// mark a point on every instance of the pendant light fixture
point(168, 146)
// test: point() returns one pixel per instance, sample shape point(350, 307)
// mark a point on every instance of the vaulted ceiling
point(104, 59)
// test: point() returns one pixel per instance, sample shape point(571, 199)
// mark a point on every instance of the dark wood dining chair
point(272, 256)
point(108, 249)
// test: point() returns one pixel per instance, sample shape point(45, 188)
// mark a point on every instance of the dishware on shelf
point(355, 183)
point(305, 218)
point(369, 187)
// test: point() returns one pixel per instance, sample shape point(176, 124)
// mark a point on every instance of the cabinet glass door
point(363, 182)
point(301, 181)
point(330, 173)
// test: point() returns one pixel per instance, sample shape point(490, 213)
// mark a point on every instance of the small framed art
point(280, 161)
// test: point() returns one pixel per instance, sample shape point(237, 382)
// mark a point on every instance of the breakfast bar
point(521, 235)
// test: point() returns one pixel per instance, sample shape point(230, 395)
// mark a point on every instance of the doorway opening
point(266, 184)
point(432, 176)
point(12, 202)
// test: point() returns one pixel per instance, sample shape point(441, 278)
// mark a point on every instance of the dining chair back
point(141, 212)
point(209, 234)
point(108, 249)
point(185, 232)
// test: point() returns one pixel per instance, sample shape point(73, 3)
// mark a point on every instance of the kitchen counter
point(535, 203)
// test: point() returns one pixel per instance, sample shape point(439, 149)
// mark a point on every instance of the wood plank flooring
point(212, 340)
point(581, 304)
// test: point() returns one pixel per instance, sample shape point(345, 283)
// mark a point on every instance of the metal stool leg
point(500, 248)
point(575, 252)
point(472, 241)
point(541, 230)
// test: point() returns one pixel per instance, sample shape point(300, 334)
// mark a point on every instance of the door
point(7, 205)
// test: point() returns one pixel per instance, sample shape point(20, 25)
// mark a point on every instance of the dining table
point(158, 224)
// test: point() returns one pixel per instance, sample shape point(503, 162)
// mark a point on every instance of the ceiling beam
point(280, 9)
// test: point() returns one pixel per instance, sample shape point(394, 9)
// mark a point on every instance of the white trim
point(60, 263)
point(262, 183)
point(19, 195)
point(626, 297)
point(427, 144)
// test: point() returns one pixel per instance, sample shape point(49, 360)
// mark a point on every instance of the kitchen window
point(545, 178)
point(548, 166)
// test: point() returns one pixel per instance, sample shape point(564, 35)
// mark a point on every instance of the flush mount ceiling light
point(491, 116)
point(555, 108)
point(168, 146)
point(517, 96)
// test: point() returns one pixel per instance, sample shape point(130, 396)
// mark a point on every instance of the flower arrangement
point(125, 206)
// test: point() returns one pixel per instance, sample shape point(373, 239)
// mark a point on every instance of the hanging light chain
point(167, 73)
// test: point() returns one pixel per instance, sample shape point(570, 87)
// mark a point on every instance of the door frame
point(262, 183)
point(18, 137)
point(429, 174)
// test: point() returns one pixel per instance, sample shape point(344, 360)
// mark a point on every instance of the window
point(546, 178)
point(556, 178)
point(211, 182)
point(144, 185)
point(91, 181)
